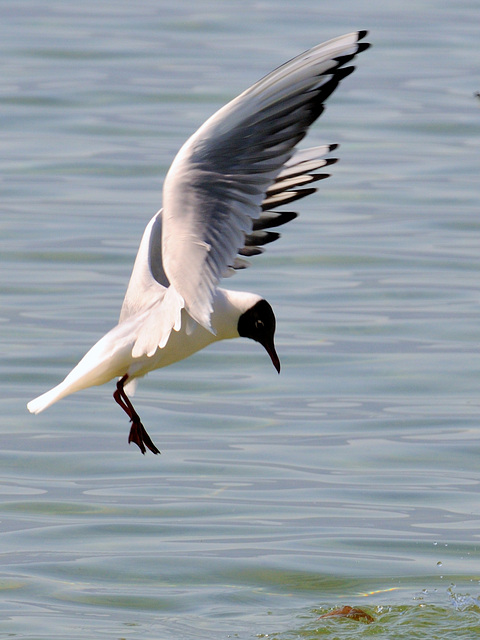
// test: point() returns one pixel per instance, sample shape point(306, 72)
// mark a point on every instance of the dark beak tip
point(275, 360)
point(270, 349)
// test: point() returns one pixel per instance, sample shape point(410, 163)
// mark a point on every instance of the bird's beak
point(269, 347)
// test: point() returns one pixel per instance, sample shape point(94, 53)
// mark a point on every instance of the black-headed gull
point(219, 198)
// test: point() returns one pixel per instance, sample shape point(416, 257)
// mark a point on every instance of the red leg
point(138, 433)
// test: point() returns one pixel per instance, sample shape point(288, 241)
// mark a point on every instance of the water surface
point(350, 479)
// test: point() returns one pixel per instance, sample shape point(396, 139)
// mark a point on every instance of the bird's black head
point(258, 323)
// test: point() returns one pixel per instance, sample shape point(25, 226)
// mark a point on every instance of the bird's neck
point(228, 306)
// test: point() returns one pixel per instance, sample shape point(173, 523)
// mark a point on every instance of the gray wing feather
point(221, 177)
point(148, 280)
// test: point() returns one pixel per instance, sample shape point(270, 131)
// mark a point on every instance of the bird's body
point(219, 198)
point(112, 356)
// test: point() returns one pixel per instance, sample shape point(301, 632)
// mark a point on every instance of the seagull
point(220, 197)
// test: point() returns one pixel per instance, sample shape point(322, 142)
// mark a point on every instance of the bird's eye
point(259, 324)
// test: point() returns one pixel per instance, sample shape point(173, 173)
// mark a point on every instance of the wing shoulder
point(148, 279)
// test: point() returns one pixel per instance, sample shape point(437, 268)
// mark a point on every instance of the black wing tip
point(259, 238)
point(329, 161)
point(343, 73)
point(362, 46)
point(316, 177)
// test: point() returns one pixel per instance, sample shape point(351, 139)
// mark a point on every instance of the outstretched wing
point(292, 183)
point(148, 281)
point(218, 181)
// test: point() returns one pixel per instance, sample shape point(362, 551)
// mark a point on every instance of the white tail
point(109, 358)
point(50, 397)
